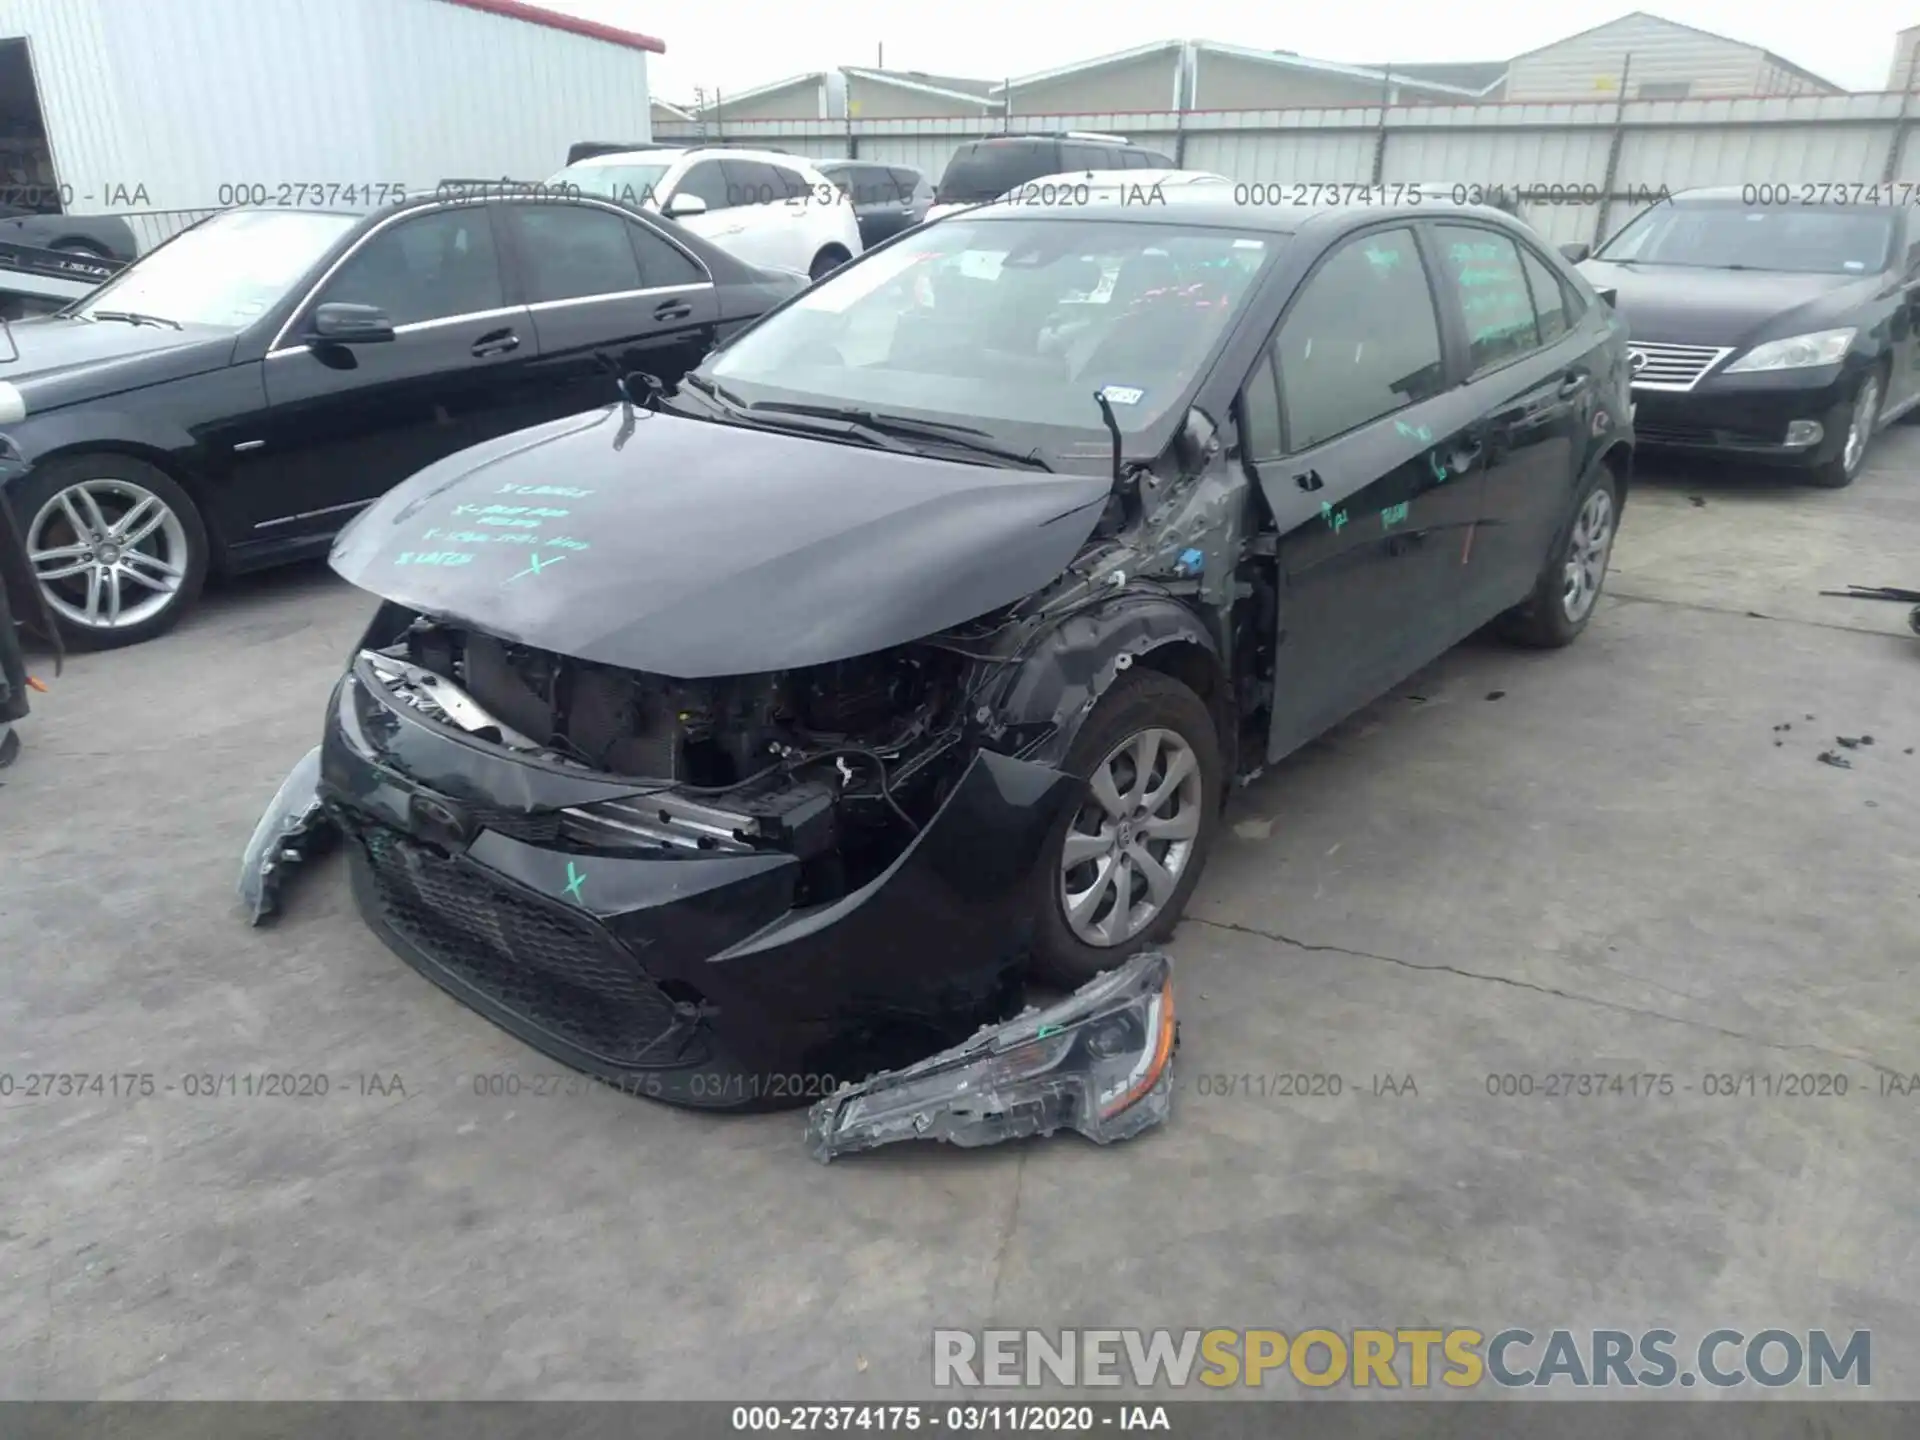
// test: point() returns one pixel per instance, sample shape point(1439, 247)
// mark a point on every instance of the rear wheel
point(1117, 871)
point(1564, 598)
point(118, 548)
point(1862, 419)
point(826, 262)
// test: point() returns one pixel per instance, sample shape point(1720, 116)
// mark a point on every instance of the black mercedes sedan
point(1768, 326)
point(730, 746)
point(235, 396)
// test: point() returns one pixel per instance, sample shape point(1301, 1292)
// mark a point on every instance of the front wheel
point(117, 547)
point(1117, 871)
point(1564, 597)
point(1864, 416)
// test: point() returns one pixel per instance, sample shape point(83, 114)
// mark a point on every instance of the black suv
point(925, 630)
point(987, 169)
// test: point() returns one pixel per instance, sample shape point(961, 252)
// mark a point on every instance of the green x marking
point(574, 881)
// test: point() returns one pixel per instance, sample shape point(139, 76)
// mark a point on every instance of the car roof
point(1203, 205)
point(667, 155)
point(1115, 179)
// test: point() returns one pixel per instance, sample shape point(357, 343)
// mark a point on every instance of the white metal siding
point(182, 97)
point(1589, 65)
point(1901, 71)
point(1143, 84)
point(1844, 139)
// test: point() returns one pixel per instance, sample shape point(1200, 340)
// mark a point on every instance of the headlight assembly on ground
point(1098, 1062)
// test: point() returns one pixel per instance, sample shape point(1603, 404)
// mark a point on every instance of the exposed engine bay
point(838, 764)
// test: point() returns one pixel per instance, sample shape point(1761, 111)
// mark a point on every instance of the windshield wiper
point(134, 317)
point(945, 432)
point(845, 427)
point(718, 391)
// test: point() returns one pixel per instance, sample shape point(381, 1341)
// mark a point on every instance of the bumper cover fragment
point(294, 828)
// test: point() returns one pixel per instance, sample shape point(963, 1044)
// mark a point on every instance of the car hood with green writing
point(695, 549)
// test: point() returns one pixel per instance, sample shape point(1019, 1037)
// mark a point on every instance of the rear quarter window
point(986, 170)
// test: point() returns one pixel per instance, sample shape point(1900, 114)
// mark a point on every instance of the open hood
point(697, 549)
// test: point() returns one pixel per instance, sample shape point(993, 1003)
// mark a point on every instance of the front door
point(346, 423)
point(606, 293)
point(1366, 491)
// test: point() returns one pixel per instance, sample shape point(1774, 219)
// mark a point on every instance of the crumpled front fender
point(293, 829)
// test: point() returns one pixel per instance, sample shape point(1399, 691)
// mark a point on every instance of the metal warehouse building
point(169, 109)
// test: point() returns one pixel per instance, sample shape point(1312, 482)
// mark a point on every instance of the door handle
point(499, 342)
point(1464, 457)
point(672, 310)
point(1573, 385)
point(1309, 481)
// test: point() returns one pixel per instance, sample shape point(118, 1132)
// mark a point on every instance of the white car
point(766, 207)
point(1081, 187)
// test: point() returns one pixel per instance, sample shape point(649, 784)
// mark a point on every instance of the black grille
point(540, 829)
point(1669, 432)
point(560, 973)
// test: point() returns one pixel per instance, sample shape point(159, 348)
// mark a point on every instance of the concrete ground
point(1623, 864)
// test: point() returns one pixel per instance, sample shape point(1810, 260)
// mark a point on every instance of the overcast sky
point(740, 44)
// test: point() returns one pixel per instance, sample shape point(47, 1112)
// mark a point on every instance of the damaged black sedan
point(766, 735)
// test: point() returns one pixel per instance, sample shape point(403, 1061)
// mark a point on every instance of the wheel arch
point(1066, 674)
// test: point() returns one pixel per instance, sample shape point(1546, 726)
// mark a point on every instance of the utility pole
point(1899, 141)
point(1613, 155)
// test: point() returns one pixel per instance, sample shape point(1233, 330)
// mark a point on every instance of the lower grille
point(1670, 432)
point(561, 974)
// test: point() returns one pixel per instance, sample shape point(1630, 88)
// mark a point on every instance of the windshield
point(1812, 241)
point(630, 184)
point(1008, 325)
point(227, 271)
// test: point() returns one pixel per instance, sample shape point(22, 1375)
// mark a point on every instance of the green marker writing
point(574, 881)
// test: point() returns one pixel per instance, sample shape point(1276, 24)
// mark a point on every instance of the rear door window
point(1552, 306)
point(1485, 266)
point(986, 170)
point(569, 252)
point(1360, 341)
point(793, 185)
point(909, 182)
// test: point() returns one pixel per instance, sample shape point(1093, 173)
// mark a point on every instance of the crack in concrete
point(1628, 597)
point(1006, 1233)
point(1549, 990)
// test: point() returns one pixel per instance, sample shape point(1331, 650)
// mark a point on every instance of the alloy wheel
point(1866, 409)
point(1587, 552)
point(1124, 853)
point(108, 553)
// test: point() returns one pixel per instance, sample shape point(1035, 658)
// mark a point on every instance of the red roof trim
point(573, 24)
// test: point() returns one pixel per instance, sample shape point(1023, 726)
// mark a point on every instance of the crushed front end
point(734, 893)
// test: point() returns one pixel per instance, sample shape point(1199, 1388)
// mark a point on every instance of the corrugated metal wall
point(180, 98)
point(1808, 139)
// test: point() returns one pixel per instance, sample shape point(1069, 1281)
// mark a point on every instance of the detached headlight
point(1098, 1062)
point(1796, 352)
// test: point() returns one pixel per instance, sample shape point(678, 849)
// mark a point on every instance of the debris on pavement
point(1496, 694)
point(293, 829)
point(1853, 742)
point(1833, 758)
point(1098, 1062)
point(1876, 592)
point(1699, 501)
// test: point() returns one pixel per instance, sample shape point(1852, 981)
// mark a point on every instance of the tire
point(1141, 703)
point(1863, 415)
point(1554, 615)
point(153, 591)
point(826, 262)
point(81, 247)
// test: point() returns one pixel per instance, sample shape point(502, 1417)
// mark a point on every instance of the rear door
point(1531, 380)
point(1364, 492)
point(346, 423)
point(603, 290)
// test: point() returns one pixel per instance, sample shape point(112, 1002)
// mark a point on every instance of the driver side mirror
point(1576, 252)
point(683, 205)
point(344, 324)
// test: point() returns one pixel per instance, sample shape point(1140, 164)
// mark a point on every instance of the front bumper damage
point(294, 829)
point(693, 977)
point(1098, 1062)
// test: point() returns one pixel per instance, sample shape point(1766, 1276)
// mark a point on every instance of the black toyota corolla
point(1768, 325)
point(769, 733)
